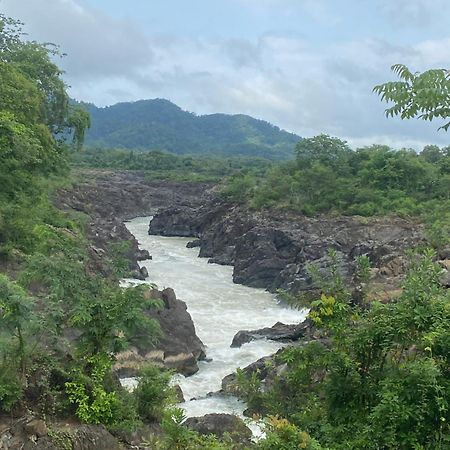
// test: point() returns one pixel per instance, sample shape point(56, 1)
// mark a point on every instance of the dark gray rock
point(278, 332)
point(194, 244)
point(143, 255)
point(273, 249)
point(94, 437)
point(175, 221)
point(179, 347)
point(219, 425)
point(144, 272)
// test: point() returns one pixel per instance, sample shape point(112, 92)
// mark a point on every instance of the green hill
point(161, 125)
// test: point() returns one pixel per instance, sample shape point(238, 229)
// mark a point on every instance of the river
point(219, 309)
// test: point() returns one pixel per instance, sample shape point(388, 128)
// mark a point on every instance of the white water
point(219, 309)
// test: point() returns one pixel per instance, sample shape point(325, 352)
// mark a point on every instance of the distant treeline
point(164, 165)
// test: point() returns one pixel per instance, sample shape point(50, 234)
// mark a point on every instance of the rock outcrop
point(278, 332)
point(273, 249)
point(179, 348)
point(29, 433)
point(219, 425)
point(109, 198)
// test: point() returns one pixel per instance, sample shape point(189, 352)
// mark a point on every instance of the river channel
point(219, 309)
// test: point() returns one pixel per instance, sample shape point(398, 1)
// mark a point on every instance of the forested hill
point(161, 125)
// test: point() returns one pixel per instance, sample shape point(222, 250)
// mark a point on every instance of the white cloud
point(413, 13)
point(97, 45)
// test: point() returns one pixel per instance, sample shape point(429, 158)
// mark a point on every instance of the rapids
point(219, 309)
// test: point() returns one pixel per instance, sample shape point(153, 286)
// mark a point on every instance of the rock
point(274, 250)
point(261, 368)
point(32, 434)
point(144, 272)
point(90, 437)
point(219, 425)
point(179, 396)
point(193, 244)
point(36, 427)
point(267, 369)
point(174, 221)
point(444, 253)
point(445, 278)
point(179, 348)
point(143, 255)
point(137, 275)
point(278, 332)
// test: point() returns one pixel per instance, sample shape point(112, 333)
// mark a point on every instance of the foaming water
point(219, 309)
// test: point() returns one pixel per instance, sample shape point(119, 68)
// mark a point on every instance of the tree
point(323, 149)
point(15, 316)
point(423, 95)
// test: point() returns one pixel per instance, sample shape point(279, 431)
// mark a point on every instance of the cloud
point(413, 13)
point(282, 77)
point(97, 45)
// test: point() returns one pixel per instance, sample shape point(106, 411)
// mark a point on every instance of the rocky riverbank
point(107, 199)
point(274, 249)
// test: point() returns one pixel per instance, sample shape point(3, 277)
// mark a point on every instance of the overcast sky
point(308, 66)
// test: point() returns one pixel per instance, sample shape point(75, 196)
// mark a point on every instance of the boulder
point(143, 255)
point(33, 434)
point(94, 437)
point(144, 272)
point(178, 393)
point(220, 425)
point(278, 332)
point(179, 347)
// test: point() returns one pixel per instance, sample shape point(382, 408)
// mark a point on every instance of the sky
point(308, 66)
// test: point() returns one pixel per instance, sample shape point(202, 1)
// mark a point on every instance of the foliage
point(56, 339)
point(283, 435)
point(330, 178)
point(11, 389)
point(119, 261)
point(249, 388)
point(16, 315)
point(33, 113)
point(160, 125)
point(107, 321)
point(153, 393)
point(93, 403)
point(423, 95)
point(323, 149)
point(163, 165)
point(381, 379)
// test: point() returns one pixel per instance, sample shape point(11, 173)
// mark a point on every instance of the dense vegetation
point(160, 125)
point(164, 165)
point(60, 322)
point(328, 177)
point(378, 377)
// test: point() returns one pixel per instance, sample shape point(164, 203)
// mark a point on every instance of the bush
point(153, 393)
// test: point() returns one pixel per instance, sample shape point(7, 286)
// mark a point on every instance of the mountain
point(161, 125)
